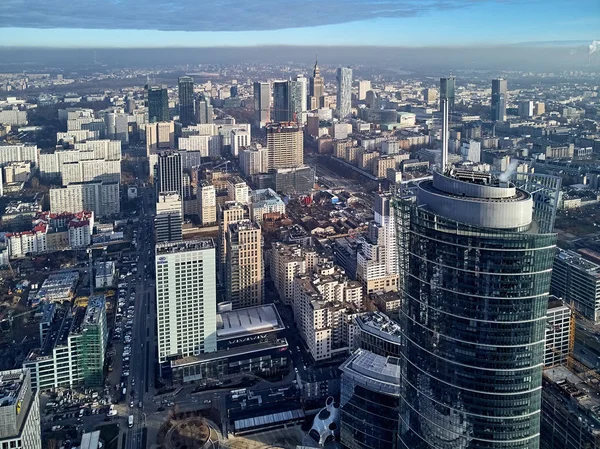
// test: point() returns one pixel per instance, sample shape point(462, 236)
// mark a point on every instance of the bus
point(130, 421)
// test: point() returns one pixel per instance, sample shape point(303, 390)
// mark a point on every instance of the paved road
point(142, 349)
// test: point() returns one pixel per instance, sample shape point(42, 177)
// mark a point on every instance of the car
point(140, 404)
point(131, 404)
point(207, 401)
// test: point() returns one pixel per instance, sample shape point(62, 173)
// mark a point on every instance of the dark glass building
point(475, 271)
point(498, 112)
point(370, 395)
point(158, 104)
point(186, 100)
point(287, 101)
point(447, 86)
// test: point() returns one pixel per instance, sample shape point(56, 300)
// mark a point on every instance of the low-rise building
point(265, 201)
point(105, 274)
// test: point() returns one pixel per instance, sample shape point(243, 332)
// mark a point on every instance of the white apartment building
point(324, 305)
point(231, 212)
point(159, 135)
point(239, 138)
point(207, 198)
point(20, 244)
point(91, 170)
point(20, 425)
point(13, 117)
point(205, 144)
point(19, 153)
point(254, 160)
point(238, 190)
point(186, 298)
point(287, 262)
point(101, 198)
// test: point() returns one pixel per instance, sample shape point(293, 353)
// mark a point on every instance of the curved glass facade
point(473, 320)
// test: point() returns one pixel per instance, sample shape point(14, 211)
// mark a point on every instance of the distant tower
point(447, 86)
point(262, 103)
point(186, 100)
point(158, 104)
point(344, 92)
point(444, 158)
point(498, 110)
point(316, 87)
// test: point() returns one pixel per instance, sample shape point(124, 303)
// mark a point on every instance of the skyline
point(124, 24)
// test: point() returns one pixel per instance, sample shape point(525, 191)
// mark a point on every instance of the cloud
point(209, 15)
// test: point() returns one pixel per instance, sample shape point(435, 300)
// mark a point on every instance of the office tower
point(231, 212)
point(498, 109)
point(577, 281)
point(186, 301)
point(208, 203)
point(186, 100)
point(169, 173)
point(317, 88)
point(285, 145)
point(158, 104)
point(233, 91)
point(262, 103)
point(526, 109)
point(364, 86)
point(104, 199)
point(540, 108)
point(204, 110)
point(369, 399)
point(129, 105)
point(475, 271)
point(447, 86)
point(19, 411)
point(445, 129)
point(245, 272)
point(168, 220)
point(287, 101)
point(94, 337)
point(344, 92)
point(160, 135)
point(430, 95)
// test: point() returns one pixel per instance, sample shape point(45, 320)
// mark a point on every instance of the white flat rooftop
point(251, 320)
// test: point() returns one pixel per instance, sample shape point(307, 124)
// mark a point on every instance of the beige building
point(366, 159)
point(245, 271)
point(207, 203)
point(237, 190)
point(382, 164)
point(231, 212)
point(287, 262)
point(285, 145)
point(324, 306)
point(159, 135)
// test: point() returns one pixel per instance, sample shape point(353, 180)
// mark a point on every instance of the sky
point(202, 23)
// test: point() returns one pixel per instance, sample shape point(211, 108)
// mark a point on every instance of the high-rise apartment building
point(526, 109)
point(287, 262)
point(20, 425)
point(208, 202)
point(104, 199)
point(158, 104)
point(447, 87)
point(262, 103)
point(302, 92)
point(316, 88)
point(168, 220)
point(498, 108)
point(285, 145)
point(231, 212)
point(245, 271)
point(186, 298)
point(475, 275)
point(169, 173)
point(237, 190)
point(364, 86)
point(344, 92)
point(204, 111)
point(186, 100)
point(254, 160)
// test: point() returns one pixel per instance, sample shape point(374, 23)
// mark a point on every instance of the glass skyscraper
point(158, 104)
point(287, 101)
point(499, 87)
point(186, 100)
point(344, 92)
point(475, 265)
point(447, 86)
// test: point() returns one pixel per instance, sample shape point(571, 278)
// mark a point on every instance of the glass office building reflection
point(475, 269)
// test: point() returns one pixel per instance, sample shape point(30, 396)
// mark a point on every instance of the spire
point(316, 72)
